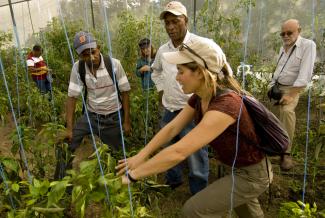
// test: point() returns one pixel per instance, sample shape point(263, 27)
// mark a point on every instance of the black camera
point(275, 92)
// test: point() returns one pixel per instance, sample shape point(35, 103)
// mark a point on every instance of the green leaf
point(82, 209)
point(54, 183)
point(56, 193)
point(76, 192)
point(88, 167)
point(31, 202)
point(15, 187)
point(33, 191)
point(80, 205)
point(44, 187)
point(11, 214)
point(37, 183)
point(97, 196)
point(10, 164)
point(122, 197)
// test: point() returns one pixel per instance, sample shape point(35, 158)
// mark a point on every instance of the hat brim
point(177, 57)
point(177, 13)
point(86, 46)
point(144, 45)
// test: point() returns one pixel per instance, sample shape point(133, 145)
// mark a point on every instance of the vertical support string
point(106, 27)
point(21, 146)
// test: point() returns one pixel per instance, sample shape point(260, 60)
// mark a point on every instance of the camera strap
point(294, 47)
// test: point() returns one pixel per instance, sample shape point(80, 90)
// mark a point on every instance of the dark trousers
point(106, 127)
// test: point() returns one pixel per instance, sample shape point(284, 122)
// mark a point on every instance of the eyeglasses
point(283, 34)
point(184, 46)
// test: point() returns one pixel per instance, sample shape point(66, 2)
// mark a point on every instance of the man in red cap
point(101, 102)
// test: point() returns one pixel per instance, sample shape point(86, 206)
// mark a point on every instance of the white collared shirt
point(102, 95)
point(34, 60)
point(164, 77)
point(299, 68)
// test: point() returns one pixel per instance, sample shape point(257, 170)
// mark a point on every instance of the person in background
point(173, 98)
point(37, 67)
point(143, 69)
point(101, 102)
point(293, 72)
point(219, 114)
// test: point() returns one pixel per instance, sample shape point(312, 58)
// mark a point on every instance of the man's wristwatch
point(131, 178)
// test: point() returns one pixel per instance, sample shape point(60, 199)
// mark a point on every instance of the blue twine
point(306, 147)
point(86, 111)
point(86, 14)
point(2, 174)
point(148, 81)
point(117, 100)
point(235, 158)
point(51, 87)
point(65, 32)
point(308, 117)
point(247, 31)
point(240, 112)
point(260, 26)
point(25, 68)
point(22, 151)
point(17, 84)
point(43, 38)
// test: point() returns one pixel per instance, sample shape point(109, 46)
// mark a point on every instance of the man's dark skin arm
point(70, 109)
point(126, 109)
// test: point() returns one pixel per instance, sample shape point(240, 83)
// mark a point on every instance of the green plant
point(90, 187)
point(144, 123)
point(299, 210)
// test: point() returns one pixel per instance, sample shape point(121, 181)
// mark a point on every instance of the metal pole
point(92, 13)
point(194, 16)
point(12, 13)
point(14, 3)
point(30, 17)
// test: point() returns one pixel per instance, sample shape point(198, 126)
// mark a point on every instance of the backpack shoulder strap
point(109, 67)
point(82, 74)
point(82, 71)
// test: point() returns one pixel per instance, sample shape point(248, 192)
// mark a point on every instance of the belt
point(283, 84)
point(176, 112)
point(103, 116)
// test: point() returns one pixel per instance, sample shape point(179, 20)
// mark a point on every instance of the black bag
point(275, 92)
point(274, 139)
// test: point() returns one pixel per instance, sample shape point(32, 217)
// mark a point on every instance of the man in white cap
point(94, 73)
point(173, 99)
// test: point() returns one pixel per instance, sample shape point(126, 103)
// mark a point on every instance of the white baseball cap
point(203, 51)
point(174, 7)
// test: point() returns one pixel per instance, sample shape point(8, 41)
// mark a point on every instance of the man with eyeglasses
point(172, 97)
point(292, 74)
point(101, 102)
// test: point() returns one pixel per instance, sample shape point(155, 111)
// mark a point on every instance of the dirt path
point(5, 141)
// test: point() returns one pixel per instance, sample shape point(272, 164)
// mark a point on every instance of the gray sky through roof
point(42, 12)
